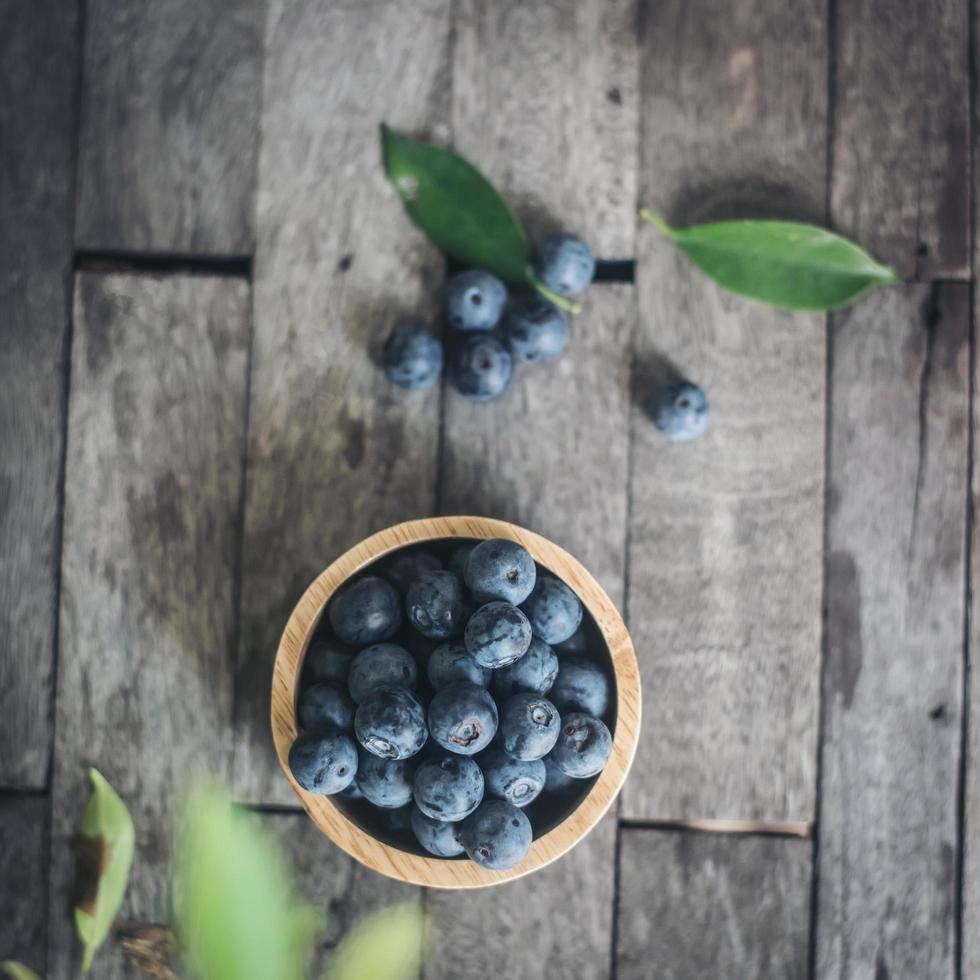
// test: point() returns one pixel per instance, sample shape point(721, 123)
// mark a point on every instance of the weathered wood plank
point(895, 605)
point(726, 532)
point(155, 446)
point(24, 878)
point(712, 905)
point(169, 126)
point(38, 67)
point(901, 161)
point(335, 451)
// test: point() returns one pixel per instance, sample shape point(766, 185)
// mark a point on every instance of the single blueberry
point(451, 663)
point(529, 726)
point(366, 612)
point(434, 604)
point(583, 747)
point(474, 300)
point(385, 782)
point(680, 411)
point(535, 672)
point(412, 357)
point(535, 330)
point(497, 634)
point(577, 643)
point(381, 665)
point(582, 685)
point(405, 566)
point(328, 661)
point(436, 836)
point(556, 781)
point(390, 723)
point(564, 263)
point(482, 368)
point(448, 788)
point(463, 718)
point(510, 779)
point(496, 835)
point(323, 761)
point(500, 569)
point(323, 706)
point(553, 609)
point(458, 557)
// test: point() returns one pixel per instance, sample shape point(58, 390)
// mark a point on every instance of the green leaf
point(104, 857)
point(17, 971)
point(461, 211)
point(238, 914)
point(385, 946)
point(790, 265)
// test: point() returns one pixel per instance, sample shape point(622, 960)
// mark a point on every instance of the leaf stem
point(647, 215)
point(562, 302)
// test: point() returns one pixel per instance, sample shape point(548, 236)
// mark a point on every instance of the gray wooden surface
point(228, 435)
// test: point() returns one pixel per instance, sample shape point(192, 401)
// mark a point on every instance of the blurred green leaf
point(385, 946)
point(17, 971)
point(104, 856)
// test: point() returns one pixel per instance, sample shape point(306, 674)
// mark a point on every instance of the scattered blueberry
point(323, 761)
point(500, 569)
point(325, 706)
point(535, 672)
point(553, 609)
point(497, 634)
point(436, 836)
point(556, 781)
point(434, 604)
point(583, 747)
point(474, 300)
point(390, 723)
point(458, 558)
point(680, 411)
point(529, 726)
point(482, 368)
point(511, 779)
point(407, 565)
point(327, 660)
point(448, 788)
point(581, 686)
point(451, 663)
point(381, 665)
point(385, 782)
point(536, 330)
point(412, 357)
point(463, 718)
point(497, 835)
point(565, 264)
point(366, 612)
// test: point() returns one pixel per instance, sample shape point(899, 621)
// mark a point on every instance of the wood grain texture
point(24, 880)
point(708, 905)
point(169, 126)
point(155, 447)
point(335, 451)
point(893, 673)
point(726, 532)
point(38, 67)
point(901, 164)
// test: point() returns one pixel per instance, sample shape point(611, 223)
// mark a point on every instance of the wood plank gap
point(741, 828)
point(617, 851)
point(165, 264)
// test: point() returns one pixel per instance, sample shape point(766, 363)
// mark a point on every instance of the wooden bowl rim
point(436, 872)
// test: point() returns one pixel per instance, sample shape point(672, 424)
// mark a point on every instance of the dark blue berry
point(529, 726)
point(390, 723)
point(583, 747)
point(535, 672)
point(451, 663)
point(556, 781)
point(680, 411)
point(458, 557)
point(412, 357)
point(325, 706)
point(448, 788)
point(577, 643)
point(511, 779)
point(497, 634)
point(535, 330)
point(323, 761)
point(553, 609)
point(385, 782)
point(434, 604)
point(474, 300)
point(564, 263)
point(404, 567)
point(497, 835)
point(463, 718)
point(581, 685)
point(381, 665)
point(327, 660)
point(500, 569)
point(436, 836)
point(365, 612)
point(482, 368)
point(352, 792)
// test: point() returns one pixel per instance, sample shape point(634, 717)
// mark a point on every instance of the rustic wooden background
point(198, 253)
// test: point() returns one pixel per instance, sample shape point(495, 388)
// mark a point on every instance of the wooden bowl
point(432, 871)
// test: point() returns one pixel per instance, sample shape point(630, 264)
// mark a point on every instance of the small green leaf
point(17, 971)
point(385, 946)
point(790, 265)
point(104, 857)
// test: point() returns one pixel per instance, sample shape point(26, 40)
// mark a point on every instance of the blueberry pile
point(454, 699)
point(489, 333)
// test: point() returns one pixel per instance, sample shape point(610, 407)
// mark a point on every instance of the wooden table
point(198, 254)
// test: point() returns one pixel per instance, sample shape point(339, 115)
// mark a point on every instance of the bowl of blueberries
point(456, 702)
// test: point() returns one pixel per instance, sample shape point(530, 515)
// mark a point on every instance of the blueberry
point(436, 836)
point(381, 665)
point(556, 781)
point(412, 357)
point(385, 782)
point(497, 634)
point(578, 643)
point(448, 788)
point(450, 664)
point(565, 264)
point(352, 792)
point(500, 569)
point(434, 604)
point(463, 718)
point(535, 672)
point(403, 568)
point(323, 761)
point(325, 706)
point(419, 646)
point(582, 685)
point(366, 612)
point(529, 726)
point(474, 300)
point(390, 723)
point(680, 411)
point(536, 330)
point(510, 779)
point(458, 557)
point(482, 368)
point(553, 609)
point(497, 835)
point(327, 660)
point(583, 747)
